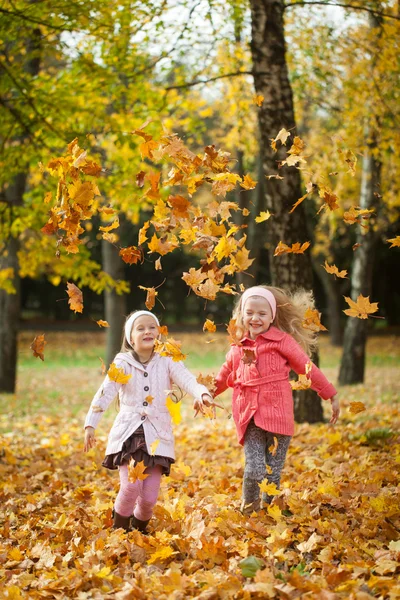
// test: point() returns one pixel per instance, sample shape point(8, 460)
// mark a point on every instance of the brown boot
point(139, 525)
point(247, 509)
point(120, 521)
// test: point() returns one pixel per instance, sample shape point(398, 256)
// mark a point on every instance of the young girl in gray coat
point(143, 418)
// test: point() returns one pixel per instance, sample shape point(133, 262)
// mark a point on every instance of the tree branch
point(202, 81)
point(343, 5)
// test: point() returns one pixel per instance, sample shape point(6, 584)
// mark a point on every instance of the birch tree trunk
point(352, 366)
point(271, 80)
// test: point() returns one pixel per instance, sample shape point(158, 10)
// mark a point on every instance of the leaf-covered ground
point(332, 533)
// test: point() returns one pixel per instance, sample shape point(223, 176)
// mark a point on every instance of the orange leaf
point(208, 381)
point(207, 290)
point(296, 248)
point(394, 241)
point(361, 308)
point(136, 471)
point(162, 246)
point(102, 323)
point(248, 183)
point(170, 348)
point(311, 320)
point(163, 330)
point(333, 270)
point(131, 255)
point(140, 178)
point(151, 296)
point(258, 99)
point(356, 407)
point(248, 356)
point(209, 326)
point(75, 297)
point(113, 225)
point(142, 233)
point(103, 366)
point(179, 206)
point(37, 346)
point(296, 204)
point(232, 332)
point(274, 447)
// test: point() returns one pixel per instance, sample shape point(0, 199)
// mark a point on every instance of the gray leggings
point(257, 455)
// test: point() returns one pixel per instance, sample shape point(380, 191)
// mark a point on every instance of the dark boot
point(138, 524)
point(120, 521)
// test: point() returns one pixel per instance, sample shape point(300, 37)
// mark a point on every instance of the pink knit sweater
point(261, 389)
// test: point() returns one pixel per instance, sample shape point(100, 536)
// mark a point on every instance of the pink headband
point(260, 291)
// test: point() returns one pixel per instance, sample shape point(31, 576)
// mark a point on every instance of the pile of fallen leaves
point(332, 532)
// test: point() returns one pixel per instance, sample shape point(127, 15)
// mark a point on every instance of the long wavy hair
point(290, 309)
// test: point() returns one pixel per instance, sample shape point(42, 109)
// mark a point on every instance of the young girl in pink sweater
point(273, 341)
point(143, 422)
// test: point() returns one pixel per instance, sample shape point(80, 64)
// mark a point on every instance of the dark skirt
point(135, 447)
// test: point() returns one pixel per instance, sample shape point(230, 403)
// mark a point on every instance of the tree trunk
point(352, 366)
point(271, 80)
point(9, 322)
point(334, 299)
point(115, 305)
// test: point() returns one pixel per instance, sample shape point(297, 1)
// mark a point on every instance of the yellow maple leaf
point(303, 383)
point(174, 409)
point(282, 136)
point(361, 308)
point(268, 488)
point(151, 296)
point(194, 277)
point(263, 216)
point(333, 270)
point(136, 471)
point(143, 233)
point(275, 512)
point(163, 245)
point(394, 241)
point(15, 554)
point(273, 447)
point(311, 320)
point(171, 348)
point(241, 260)
point(224, 247)
point(209, 326)
point(207, 290)
point(248, 183)
point(113, 225)
point(161, 555)
point(117, 374)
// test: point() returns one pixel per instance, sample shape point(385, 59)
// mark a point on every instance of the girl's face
point(143, 334)
point(257, 316)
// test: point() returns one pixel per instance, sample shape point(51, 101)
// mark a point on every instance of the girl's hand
point(90, 440)
point(335, 409)
point(206, 400)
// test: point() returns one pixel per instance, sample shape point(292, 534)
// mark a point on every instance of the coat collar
point(131, 360)
point(273, 333)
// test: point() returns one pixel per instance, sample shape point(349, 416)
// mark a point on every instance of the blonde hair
point(290, 309)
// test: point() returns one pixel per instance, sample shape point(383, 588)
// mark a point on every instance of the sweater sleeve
point(103, 397)
point(222, 379)
point(298, 359)
point(186, 380)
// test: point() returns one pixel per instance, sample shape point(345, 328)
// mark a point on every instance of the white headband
point(129, 323)
point(260, 291)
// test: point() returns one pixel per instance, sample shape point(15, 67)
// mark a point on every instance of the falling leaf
point(232, 332)
point(303, 383)
point(333, 270)
point(157, 264)
point(207, 290)
point(361, 308)
point(258, 99)
point(194, 277)
point(151, 296)
point(103, 366)
point(274, 447)
point(263, 216)
point(299, 201)
point(275, 176)
point(142, 237)
point(268, 488)
point(281, 137)
point(102, 323)
point(140, 179)
point(153, 447)
point(296, 248)
point(170, 348)
point(209, 326)
point(163, 245)
point(136, 471)
point(75, 298)
point(38, 345)
point(110, 227)
point(355, 246)
point(149, 399)
point(248, 183)
point(356, 407)
point(241, 260)
point(163, 330)
point(311, 320)
point(131, 255)
point(394, 241)
point(174, 409)
point(117, 374)
point(208, 381)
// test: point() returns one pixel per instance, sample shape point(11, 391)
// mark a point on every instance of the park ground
point(332, 533)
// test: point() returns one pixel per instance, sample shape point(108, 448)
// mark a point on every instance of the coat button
point(145, 374)
point(143, 418)
point(146, 388)
point(145, 403)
